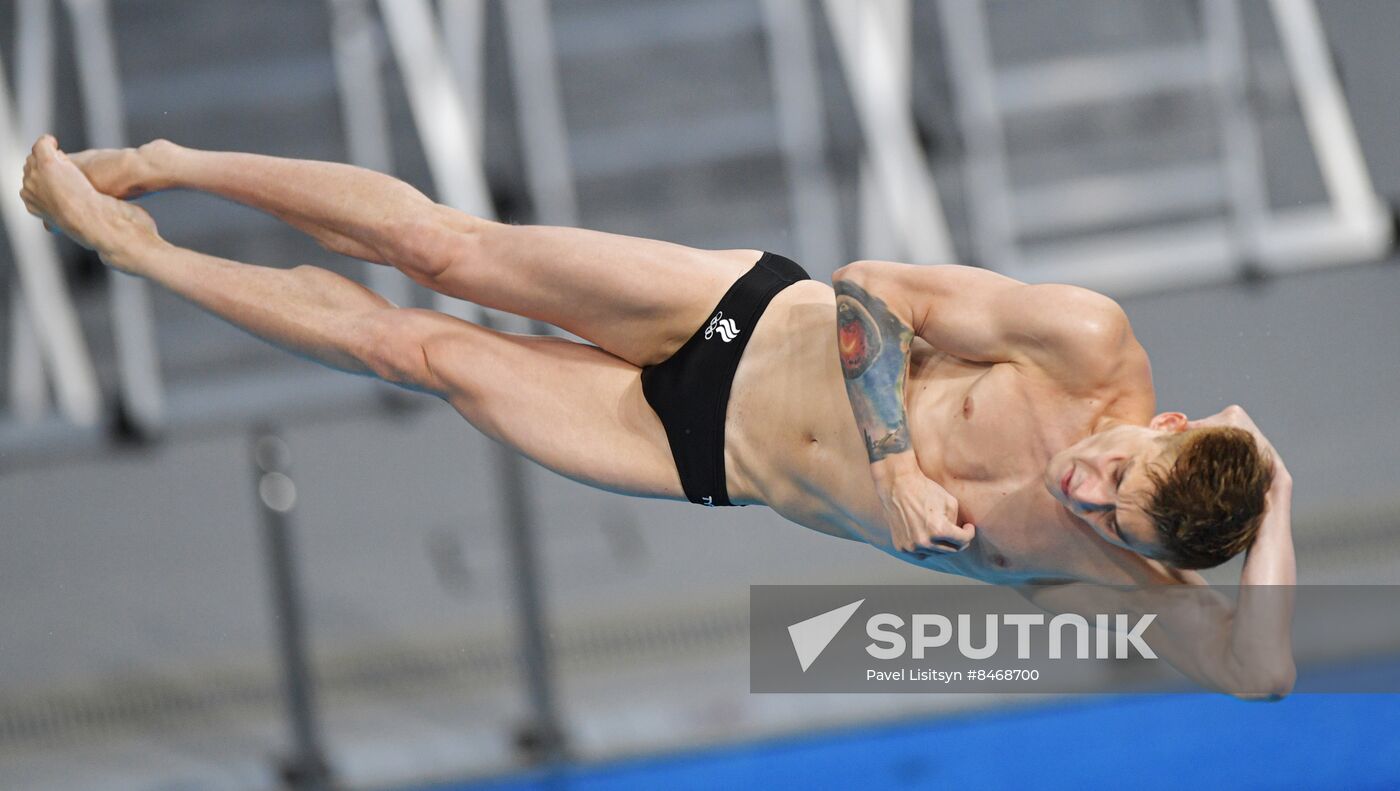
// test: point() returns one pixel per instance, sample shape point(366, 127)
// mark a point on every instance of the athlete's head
point(1190, 497)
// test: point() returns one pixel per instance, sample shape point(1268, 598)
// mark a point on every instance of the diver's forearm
point(1262, 627)
point(874, 347)
point(308, 311)
point(348, 209)
point(1270, 560)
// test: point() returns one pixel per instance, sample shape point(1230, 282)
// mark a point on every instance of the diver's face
point(1102, 479)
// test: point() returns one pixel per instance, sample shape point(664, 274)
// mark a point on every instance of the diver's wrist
point(894, 468)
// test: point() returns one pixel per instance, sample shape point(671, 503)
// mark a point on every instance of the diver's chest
point(982, 428)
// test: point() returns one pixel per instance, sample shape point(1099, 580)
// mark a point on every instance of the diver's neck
point(1107, 421)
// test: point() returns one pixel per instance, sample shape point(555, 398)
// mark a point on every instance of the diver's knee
point(428, 244)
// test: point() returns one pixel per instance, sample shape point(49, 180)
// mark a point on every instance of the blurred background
point(222, 567)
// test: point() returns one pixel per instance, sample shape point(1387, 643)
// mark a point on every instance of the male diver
point(1002, 431)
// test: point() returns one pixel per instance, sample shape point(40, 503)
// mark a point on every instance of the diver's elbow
point(1268, 686)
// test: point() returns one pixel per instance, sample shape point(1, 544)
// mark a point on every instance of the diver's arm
point(1270, 559)
point(1243, 649)
point(1264, 613)
point(1263, 619)
point(1074, 334)
point(873, 341)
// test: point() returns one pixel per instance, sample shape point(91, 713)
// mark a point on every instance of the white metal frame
point(357, 52)
point(451, 139)
point(37, 338)
point(1362, 226)
point(872, 43)
point(28, 386)
point(1355, 225)
point(450, 131)
point(797, 92)
point(48, 305)
point(549, 170)
point(133, 331)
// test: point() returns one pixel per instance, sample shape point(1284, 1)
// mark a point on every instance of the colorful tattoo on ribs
point(874, 348)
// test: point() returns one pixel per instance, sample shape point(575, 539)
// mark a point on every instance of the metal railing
point(450, 131)
point(1152, 229)
point(872, 40)
point(47, 337)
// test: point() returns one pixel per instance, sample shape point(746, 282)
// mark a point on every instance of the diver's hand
point(922, 516)
point(1234, 416)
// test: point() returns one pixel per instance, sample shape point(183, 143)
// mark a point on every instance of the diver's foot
point(125, 172)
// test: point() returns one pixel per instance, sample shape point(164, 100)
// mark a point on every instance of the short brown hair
point(1208, 506)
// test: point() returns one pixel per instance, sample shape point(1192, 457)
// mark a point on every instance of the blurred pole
point(450, 131)
point(450, 143)
point(40, 271)
point(1228, 54)
point(358, 55)
point(542, 738)
point(133, 333)
point(1329, 124)
point(792, 62)
point(305, 767)
point(970, 66)
point(868, 35)
point(464, 35)
point(549, 170)
point(28, 389)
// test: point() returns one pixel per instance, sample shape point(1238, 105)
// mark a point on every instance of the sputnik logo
point(811, 637)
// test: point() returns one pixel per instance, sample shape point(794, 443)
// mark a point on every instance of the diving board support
point(133, 333)
point(450, 131)
point(358, 56)
point(450, 141)
point(797, 92)
point(869, 36)
point(50, 306)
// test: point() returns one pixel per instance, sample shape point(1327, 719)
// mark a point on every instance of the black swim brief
point(690, 390)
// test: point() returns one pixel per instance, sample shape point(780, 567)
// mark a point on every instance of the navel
point(967, 408)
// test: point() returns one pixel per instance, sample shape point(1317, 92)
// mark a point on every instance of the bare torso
point(982, 431)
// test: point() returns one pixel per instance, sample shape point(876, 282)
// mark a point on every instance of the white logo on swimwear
point(726, 328)
point(708, 500)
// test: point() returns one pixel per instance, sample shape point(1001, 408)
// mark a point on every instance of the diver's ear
point(1169, 421)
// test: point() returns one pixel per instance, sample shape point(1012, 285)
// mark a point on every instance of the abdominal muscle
point(792, 444)
point(791, 441)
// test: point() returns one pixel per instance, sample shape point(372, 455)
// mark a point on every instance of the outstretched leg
point(572, 407)
point(639, 299)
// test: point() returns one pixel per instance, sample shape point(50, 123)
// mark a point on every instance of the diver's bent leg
point(569, 406)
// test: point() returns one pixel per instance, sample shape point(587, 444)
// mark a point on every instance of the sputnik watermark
point(890, 643)
point(934, 630)
point(904, 638)
point(976, 638)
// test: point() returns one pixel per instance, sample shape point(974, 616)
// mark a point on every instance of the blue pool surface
point(1142, 742)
